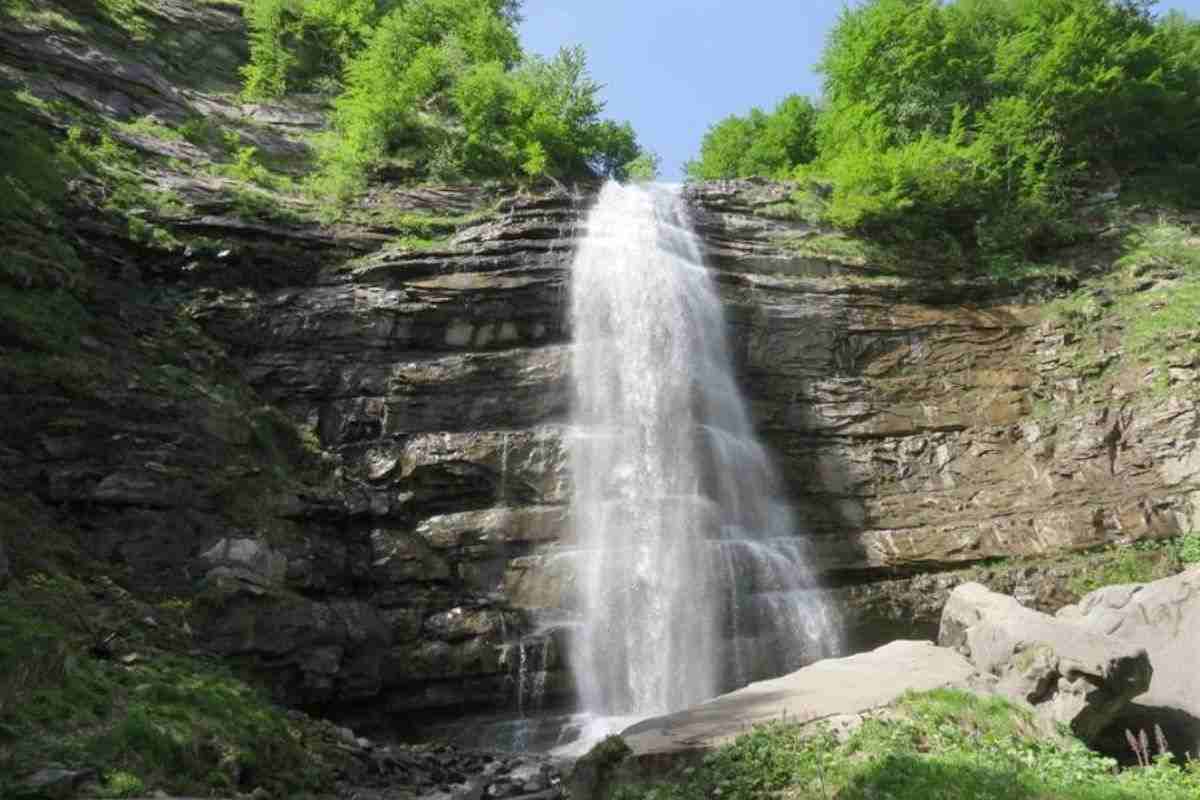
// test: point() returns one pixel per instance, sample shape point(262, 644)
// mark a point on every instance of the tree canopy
point(978, 117)
point(439, 88)
point(761, 143)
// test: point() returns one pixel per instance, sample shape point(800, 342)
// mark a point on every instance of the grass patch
point(937, 745)
point(160, 721)
point(152, 127)
point(1139, 562)
point(48, 320)
point(1187, 549)
point(1162, 321)
point(1147, 307)
point(841, 247)
point(131, 18)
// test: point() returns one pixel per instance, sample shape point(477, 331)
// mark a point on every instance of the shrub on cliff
point(982, 118)
point(1020, 99)
point(761, 143)
point(434, 88)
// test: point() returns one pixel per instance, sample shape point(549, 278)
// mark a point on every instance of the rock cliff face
point(349, 450)
point(437, 378)
point(919, 426)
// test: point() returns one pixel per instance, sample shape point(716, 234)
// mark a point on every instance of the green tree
point(761, 144)
point(645, 167)
point(1020, 99)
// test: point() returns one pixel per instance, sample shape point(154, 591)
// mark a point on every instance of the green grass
point(163, 721)
point(1187, 549)
point(841, 247)
point(1163, 318)
point(940, 745)
point(1140, 562)
point(1147, 306)
point(130, 18)
point(151, 126)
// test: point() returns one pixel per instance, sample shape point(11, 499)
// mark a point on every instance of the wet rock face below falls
point(901, 414)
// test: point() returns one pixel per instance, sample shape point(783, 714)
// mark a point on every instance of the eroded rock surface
point(1163, 617)
point(1069, 674)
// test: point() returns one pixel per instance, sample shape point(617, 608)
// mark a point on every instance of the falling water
point(691, 576)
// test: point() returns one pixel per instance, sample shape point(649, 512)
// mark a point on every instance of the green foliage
point(33, 185)
point(127, 193)
point(295, 43)
point(541, 118)
point(129, 18)
point(122, 784)
point(1165, 317)
point(981, 113)
point(646, 167)
point(979, 119)
point(759, 144)
point(1140, 562)
point(941, 744)
point(128, 15)
point(1188, 549)
point(183, 725)
point(434, 89)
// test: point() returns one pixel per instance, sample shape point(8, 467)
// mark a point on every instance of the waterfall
point(690, 575)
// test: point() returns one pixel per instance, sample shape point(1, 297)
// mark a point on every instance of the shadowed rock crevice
point(1181, 734)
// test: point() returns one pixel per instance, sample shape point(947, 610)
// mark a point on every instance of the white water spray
point(691, 576)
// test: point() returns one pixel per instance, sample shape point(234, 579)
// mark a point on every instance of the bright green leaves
point(976, 117)
point(765, 144)
point(972, 121)
point(542, 118)
point(435, 88)
point(297, 43)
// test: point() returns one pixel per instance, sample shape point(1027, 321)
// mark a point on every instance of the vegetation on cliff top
point(974, 121)
point(940, 744)
point(434, 88)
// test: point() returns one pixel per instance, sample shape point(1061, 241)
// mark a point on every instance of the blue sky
point(674, 67)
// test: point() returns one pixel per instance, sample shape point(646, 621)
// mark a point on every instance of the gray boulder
point(1164, 618)
point(1067, 672)
point(837, 691)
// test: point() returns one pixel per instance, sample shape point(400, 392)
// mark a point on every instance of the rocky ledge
point(1082, 669)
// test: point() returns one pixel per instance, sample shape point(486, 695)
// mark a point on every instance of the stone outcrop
point(836, 691)
point(1069, 674)
point(923, 422)
point(1162, 617)
point(837, 695)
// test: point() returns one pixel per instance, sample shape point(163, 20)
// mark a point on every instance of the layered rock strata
point(394, 535)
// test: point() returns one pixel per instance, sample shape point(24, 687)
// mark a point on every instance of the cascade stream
point(691, 577)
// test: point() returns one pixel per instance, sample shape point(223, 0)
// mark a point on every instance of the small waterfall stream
point(691, 577)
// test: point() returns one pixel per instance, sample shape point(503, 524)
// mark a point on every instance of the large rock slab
point(838, 691)
point(1163, 617)
point(1068, 673)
